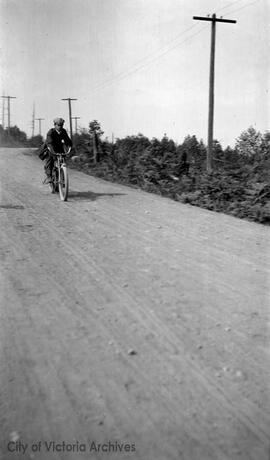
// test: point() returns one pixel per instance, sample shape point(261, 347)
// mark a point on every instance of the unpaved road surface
point(131, 326)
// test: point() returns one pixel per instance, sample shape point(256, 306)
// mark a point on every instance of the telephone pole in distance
point(69, 99)
point(76, 126)
point(213, 19)
point(39, 124)
point(3, 114)
point(33, 120)
point(8, 98)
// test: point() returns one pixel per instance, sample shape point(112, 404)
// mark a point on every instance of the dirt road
point(132, 326)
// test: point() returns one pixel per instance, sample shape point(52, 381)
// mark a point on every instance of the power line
point(133, 70)
point(243, 7)
point(228, 6)
point(135, 67)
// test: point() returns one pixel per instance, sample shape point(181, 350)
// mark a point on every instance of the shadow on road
point(90, 196)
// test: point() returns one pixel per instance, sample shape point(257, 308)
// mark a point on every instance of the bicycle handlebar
point(64, 153)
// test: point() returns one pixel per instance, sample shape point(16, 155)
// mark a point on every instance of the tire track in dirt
point(167, 395)
point(57, 305)
point(140, 276)
point(215, 319)
point(80, 263)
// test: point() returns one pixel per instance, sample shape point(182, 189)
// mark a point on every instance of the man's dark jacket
point(55, 140)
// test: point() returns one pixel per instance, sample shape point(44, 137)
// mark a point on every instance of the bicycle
point(60, 182)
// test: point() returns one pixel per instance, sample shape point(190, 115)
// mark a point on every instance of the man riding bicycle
point(56, 139)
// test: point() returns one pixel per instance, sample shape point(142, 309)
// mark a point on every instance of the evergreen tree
point(249, 144)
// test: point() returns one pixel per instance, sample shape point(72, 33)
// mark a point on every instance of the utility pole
point(213, 19)
point(69, 99)
point(3, 114)
point(76, 126)
point(39, 124)
point(8, 98)
point(33, 121)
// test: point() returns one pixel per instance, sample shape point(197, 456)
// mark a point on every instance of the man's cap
point(59, 121)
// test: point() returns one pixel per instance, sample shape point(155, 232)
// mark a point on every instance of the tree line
point(14, 137)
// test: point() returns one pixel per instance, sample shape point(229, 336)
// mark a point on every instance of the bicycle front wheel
point(63, 183)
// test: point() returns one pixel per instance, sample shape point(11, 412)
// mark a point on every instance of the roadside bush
point(237, 186)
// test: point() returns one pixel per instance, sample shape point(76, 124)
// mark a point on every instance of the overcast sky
point(136, 65)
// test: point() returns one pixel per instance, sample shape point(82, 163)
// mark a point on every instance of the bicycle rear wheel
point(63, 183)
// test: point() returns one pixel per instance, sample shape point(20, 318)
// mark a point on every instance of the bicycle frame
point(60, 176)
point(59, 161)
